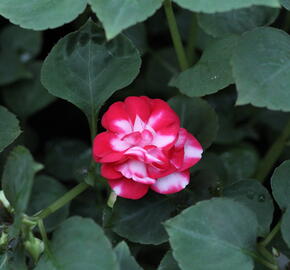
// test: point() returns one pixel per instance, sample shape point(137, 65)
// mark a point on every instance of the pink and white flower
point(145, 147)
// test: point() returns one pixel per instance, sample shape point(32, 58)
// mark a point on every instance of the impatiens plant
point(146, 134)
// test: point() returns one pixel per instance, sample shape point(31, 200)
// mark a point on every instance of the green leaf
point(212, 73)
point(26, 43)
point(280, 183)
point(159, 71)
point(138, 35)
point(17, 179)
point(141, 220)
point(285, 227)
point(279, 243)
point(256, 197)
point(217, 234)
point(43, 14)
point(26, 97)
point(197, 116)
point(240, 162)
point(261, 62)
point(125, 259)
point(9, 128)
point(79, 243)
point(118, 15)
point(85, 70)
point(14, 260)
point(168, 262)
point(45, 191)
point(212, 6)
point(61, 156)
point(237, 21)
point(11, 67)
point(285, 3)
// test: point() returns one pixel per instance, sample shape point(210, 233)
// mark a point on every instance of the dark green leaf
point(212, 73)
point(9, 128)
point(17, 179)
point(261, 63)
point(280, 183)
point(138, 35)
point(61, 157)
point(279, 243)
point(161, 66)
point(168, 262)
point(13, 260)
point(11, 67)
point(141, 220)
point(125, 259)
point(285, 3)
point(240, 162)
point(85, 70)
point(212, 6)
point(285, 227)
point(26, 97)
point(118, 15)
point(25, 43)
point(198, 117)
point(237, 21)
point(39, 15)
point(217, 234)
point(45, 191)
point(256, 197)
point(79, 243)
point(229, 131)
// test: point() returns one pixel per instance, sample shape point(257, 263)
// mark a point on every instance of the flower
point(145, 147)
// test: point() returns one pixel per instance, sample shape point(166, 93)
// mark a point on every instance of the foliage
point(223, 67)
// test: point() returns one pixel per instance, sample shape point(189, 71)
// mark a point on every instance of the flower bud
point(4, 200)
point(34, 247)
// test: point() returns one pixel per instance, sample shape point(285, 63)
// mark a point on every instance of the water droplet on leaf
point(261, 198)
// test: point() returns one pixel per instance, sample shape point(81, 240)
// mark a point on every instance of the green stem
point(175, 35)
point(266, 254)
point(273, 154)
point(44, 237)
point(47, 249)
point(93, 126)
point(271, 235)
point(112, 199)
point(62, 201)
point(191, 40)
point(265, 262)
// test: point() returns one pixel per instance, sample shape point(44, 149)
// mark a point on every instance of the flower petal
point(128, 188)
point(108, 148)
point(162, 116)
point(138, 106)
point(136, 170)
point(192, 152)
point(116, 119)
point(172, 183)
point(108, 171)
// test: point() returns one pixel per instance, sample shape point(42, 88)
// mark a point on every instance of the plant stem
point(175, 35)
point(44, 236)
point(191, 40)
point(273, 154)
point(93, 126)
point(271, 235)
point(112, 199)
point(62, 201)
point(265, 262)
point(266, 253)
